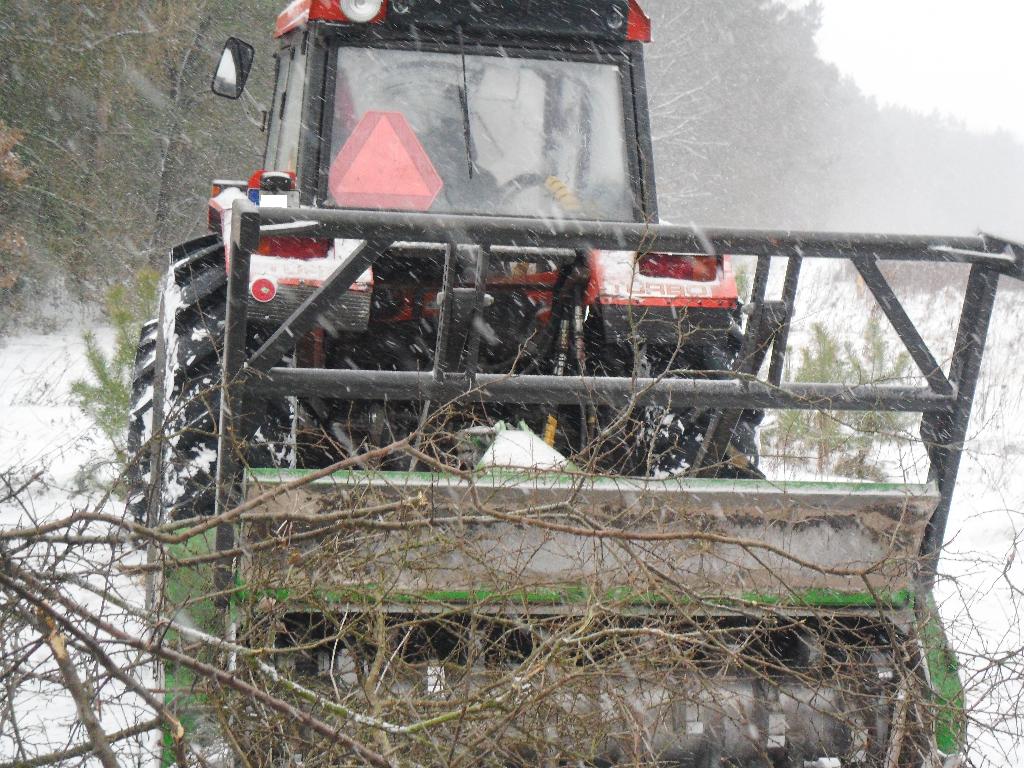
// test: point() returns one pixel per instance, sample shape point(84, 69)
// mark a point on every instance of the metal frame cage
point(945, 402)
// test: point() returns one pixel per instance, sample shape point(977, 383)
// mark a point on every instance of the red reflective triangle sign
point(383, 165)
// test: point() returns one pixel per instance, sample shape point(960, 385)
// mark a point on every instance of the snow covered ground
point(981, 592)
point(981, 588)
point(47, 442)
point(41, 428)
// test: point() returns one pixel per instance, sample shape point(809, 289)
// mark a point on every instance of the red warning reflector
point(383, 165)
point(263, 290)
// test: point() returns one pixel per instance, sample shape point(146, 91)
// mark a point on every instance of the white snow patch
point(42, 432)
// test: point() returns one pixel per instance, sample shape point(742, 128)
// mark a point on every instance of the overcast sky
point(960, 57)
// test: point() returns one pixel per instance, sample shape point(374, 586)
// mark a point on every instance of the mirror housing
point(233, 68)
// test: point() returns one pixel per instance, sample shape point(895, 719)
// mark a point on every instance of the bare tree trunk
point(78, 691)
point(172, 144)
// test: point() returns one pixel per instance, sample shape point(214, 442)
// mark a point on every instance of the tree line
point(753, 129)
point(107, 110)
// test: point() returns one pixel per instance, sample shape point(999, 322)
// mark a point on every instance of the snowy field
point(980, 593)
point(981, 588)
point(47, 443)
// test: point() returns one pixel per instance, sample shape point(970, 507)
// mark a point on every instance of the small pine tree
point(822, 360)
point(844, 442)
point(875, 363)
point(106, 396)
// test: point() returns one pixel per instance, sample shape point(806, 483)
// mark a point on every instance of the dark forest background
point(109, 137)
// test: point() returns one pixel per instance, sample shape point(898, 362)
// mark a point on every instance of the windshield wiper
point(467, 130)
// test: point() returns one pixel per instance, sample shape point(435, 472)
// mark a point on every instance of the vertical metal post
point(715, 446)
point(459, 305)
point(744, 364)
point(789, 288)
point(479, 283)
point(947, 432)
point(246, 223)
point(446, 303)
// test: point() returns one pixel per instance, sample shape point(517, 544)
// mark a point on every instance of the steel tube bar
point(746, 362)
point(231, 381)
point(479, 281)
point(715, 445)
point(975, 318)
point(578, 234)
point(446, 302)
point(1014, 251)
point(232, 398)
point(789, 288)
point(620, 392)
point(903, 325)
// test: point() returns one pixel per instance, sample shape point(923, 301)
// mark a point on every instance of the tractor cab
point(501, 108)
point(479, 133)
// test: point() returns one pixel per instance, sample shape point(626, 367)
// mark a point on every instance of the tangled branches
point(451, 617)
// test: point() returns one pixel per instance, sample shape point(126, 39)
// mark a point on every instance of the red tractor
point(449, 283)
point(550, 124)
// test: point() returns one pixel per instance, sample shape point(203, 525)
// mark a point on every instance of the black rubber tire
point(141, 421)
point(183, 371)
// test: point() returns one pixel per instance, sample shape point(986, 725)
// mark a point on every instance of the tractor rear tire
point(179, 366)
point(140, 425)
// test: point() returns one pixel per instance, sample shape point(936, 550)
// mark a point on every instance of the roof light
point(361, 11)
point(270, 188)
point(639, 29)
point(277, 181)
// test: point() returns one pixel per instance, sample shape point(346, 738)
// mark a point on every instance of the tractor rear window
point(506, 135)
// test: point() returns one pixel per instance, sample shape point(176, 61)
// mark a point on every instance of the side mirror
point(233, 70)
